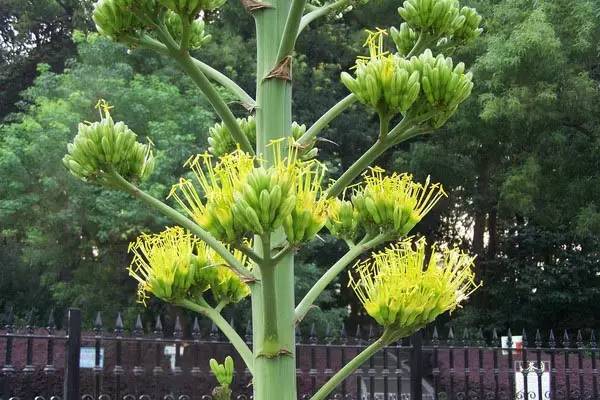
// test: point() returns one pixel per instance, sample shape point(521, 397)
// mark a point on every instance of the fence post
point(416, 366)
point(73, 348)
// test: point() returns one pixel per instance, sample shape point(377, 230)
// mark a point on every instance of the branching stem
point(312, 295)
point(186, 223)
point(235, 339)
point(291, 29)
point(326, 119)
point(319, 12)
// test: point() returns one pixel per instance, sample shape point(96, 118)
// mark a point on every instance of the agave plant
point(260, 194)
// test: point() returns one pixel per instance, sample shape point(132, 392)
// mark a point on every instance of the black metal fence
point(51, 364)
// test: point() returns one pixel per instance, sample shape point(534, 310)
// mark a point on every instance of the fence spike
point(158, 328)
point(214, 333)
point(327, 332)
point(138, 328)
point(232, 323)
point(451, 334)
point(465, 336)
point(119, 324)
point(51, 327)
point(566, 340)
point(593, 342)
point(357, 334)
point(343, 334)
point(312, 337)
point(98, 326)
point(248, 335)
point(495, 336)
point(29, 327)
point(298, 334)
point(538, 339)
point(579, 338)
point(177, 330)
point(435, 335)
point(196, 329)
point(551, 339)
point(10, 319)
point(371, 333)
point(480, 337)
point(524, 337)
point(509, 340)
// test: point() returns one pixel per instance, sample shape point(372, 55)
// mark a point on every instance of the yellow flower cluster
point(403, 288)
point(174, 265)
point(238, 198)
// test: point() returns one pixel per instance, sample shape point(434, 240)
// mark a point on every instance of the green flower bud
point(197, 36)
point(404, 39)
point(343, 220)
point(191, 8)
point(105, 146)
point(123, 19)
point(470, 28)
point(437, 17)
point(444, 86)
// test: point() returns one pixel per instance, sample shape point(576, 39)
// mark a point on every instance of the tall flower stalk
point(260, 194)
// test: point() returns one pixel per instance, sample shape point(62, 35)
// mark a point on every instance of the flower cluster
point(391, 205)
point(174, 265)
point(240, 199)
point(403, 289)
point(100, 148)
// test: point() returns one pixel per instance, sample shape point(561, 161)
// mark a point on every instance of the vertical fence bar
point(118, 370)
point(552, 345)
point(416, 366)
point(73, 346)
point(435, 341)
point(566, 345)
point(178, 334)
point(98, 363)
point(524, 365)
point(49, 367)
point(466, 369)
point(138, 331)
point(343, 343)
point(538, 358)
point(371, 371)
point(157, 371)
point(328, 373)
point(196, 335)
point(593, 348)
point(313, 359)
point(385, 373)
point(511, 369)
point(481, 345)
point(359, 370)
point(8, 367)
point(451, 361)
point(580, 371)
point(29, 329)
point(496, 347)
point(398, 370)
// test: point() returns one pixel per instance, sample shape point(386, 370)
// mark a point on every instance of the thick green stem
point(312, 295)
point(184, 222)
point(274, 378)
point(187, 63)
point(326, 119)
point(270, 343)
point(319, 12)
point(238, 343)
point(348, 369)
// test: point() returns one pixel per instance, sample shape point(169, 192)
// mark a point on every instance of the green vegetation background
point(520, 160)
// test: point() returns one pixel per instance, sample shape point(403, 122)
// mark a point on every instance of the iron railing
point(116, 364)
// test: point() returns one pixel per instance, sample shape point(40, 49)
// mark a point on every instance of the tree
point(266, 187)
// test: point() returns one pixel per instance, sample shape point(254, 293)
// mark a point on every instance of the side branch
point(235, 339)
point(190, 67)
point(318, 13)
point(333, 272)
point(291, 29)
point(326, 119)
point(349, 368)
point(247, 101)
point(186, 223)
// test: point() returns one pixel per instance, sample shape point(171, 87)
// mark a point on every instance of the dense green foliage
point(520, 161)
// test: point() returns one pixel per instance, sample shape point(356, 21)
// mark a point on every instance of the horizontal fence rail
point(172, 364)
